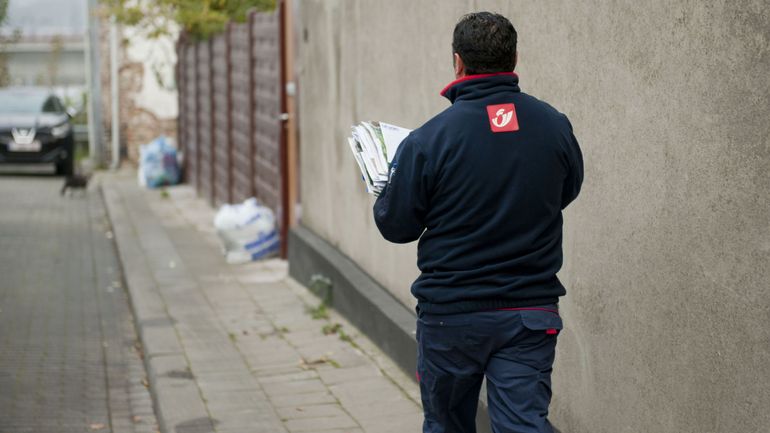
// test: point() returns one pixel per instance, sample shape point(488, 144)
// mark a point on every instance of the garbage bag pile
point(247, 230)
point(158, 164)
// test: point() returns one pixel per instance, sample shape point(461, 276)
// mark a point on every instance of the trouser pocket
point(542, 321)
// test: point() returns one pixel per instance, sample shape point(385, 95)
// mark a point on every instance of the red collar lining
point(474, 77)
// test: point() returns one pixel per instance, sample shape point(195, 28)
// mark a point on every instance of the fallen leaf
point(136, 418)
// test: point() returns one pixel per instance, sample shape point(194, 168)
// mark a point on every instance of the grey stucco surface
point(667, 251)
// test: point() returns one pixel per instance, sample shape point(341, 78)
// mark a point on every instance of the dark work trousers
point(514, 348)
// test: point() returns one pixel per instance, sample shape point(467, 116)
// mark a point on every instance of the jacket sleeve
point(399, 211)
point(574, 178)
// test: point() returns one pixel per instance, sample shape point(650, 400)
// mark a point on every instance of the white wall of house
point(158, 93)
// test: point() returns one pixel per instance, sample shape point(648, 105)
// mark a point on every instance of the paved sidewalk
point(242, 348)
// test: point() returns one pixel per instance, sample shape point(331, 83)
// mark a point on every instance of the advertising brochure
point(373, 145)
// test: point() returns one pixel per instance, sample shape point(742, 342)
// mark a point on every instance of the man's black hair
point(486, 42)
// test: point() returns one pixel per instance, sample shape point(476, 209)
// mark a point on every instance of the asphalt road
point(69, 359)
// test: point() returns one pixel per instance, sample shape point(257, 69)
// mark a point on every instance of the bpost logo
point(502, 118)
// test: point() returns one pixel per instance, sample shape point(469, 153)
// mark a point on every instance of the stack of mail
point(374, 144)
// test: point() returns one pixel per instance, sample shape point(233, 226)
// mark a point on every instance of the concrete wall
point(667, 251)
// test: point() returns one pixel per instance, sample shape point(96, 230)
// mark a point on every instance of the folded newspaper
point(374, 144)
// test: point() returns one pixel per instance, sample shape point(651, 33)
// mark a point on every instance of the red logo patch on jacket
point(502, 118)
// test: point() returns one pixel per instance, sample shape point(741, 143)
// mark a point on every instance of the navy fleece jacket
point(482, 185)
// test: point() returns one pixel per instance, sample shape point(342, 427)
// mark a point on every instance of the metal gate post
point(284, 168)
point(252, 102)
point(229, 89)
point(212, 130)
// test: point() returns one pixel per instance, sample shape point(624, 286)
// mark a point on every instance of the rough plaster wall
point(667, 251)
point(147, 109)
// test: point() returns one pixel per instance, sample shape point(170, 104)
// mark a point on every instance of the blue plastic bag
point(158, 164)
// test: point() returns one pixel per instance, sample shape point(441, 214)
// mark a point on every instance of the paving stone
point(410, 422)
point(303, 399)
point(296, 374)
point(304, 336)
point(277, 370)
point(310, 411)
point(293, 387)
point(159, 340)
point(254, 421)
point(225, 381)
point(353, 374)
point(377, 391)
point(321, 424)
point(240, 401)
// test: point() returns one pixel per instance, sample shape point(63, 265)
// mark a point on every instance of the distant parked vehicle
point(35, 127)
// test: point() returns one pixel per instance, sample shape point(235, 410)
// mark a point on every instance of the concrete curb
point(154, 325)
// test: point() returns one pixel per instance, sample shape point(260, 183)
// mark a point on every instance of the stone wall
point(667, 251)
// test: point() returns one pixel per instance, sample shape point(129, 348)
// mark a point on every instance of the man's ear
point(459, 66)
point(515, 59)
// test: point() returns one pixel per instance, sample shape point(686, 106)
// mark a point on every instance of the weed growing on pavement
point(164, 193)
point(319, 312)
point(345, 337)
point(233, 336)
point(322, 287)
point(331, 328)
point(348, 339)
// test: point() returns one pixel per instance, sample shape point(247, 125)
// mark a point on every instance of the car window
point(50, 105)
point(59, 106)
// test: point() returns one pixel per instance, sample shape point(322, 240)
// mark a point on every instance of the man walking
point(482, 185)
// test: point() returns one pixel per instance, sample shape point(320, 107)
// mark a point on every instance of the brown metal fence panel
point(204, 122)
point(221, 79)
point(188, 112)
point(230, 112)
point(266, 58)
point(240, 91)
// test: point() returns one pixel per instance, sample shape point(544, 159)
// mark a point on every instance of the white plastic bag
point(247, 231)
